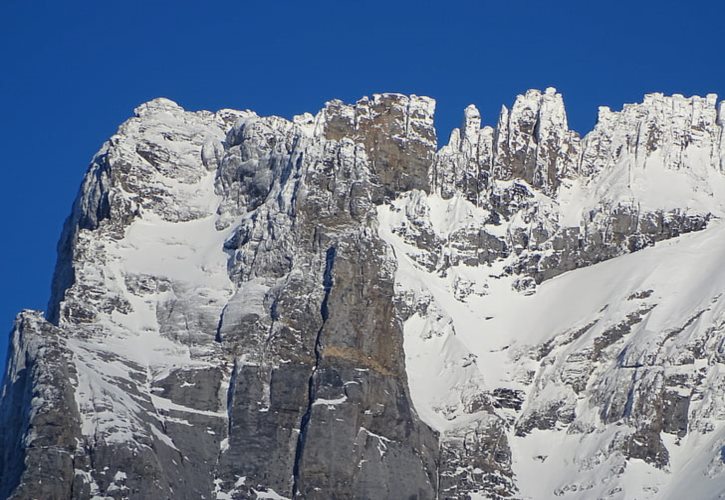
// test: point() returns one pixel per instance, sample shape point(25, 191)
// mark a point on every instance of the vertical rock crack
point(327, 283)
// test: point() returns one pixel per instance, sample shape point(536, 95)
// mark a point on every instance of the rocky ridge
point(252, 307)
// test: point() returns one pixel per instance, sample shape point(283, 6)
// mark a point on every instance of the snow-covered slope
point(252, 307)
point(617, 367)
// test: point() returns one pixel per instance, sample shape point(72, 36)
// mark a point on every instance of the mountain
point(332, 307)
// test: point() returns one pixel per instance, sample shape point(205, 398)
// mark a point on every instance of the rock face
point(329, 307)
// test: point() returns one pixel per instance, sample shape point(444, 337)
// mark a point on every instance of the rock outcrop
point(326, 307)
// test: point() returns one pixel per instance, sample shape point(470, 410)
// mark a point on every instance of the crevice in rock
point(218, 333)
point(327, 283)
point(217, 474)
point(230, 396)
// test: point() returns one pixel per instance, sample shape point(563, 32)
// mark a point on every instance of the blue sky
point(71, 72)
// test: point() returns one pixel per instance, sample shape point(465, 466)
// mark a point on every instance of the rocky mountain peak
point(671, 131)
point(156, 105)
point(656, 154)
point(533, 141)
point(471, 124)
point(255, 307)
point(397, 132)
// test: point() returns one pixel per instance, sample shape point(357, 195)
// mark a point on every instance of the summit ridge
point(333, 307)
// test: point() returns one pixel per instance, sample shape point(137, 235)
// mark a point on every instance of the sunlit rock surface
point(332, 307)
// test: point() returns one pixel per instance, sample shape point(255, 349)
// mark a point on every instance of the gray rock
point(226, 317)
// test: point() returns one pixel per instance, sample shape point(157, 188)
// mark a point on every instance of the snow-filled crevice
point(224, 443)
point(327, 282)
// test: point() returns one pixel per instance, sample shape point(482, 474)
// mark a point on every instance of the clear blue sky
point(70, 72)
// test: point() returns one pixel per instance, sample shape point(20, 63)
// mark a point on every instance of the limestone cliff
point(330, 307)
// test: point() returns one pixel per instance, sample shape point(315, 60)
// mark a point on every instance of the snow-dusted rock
point(255, 307)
